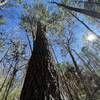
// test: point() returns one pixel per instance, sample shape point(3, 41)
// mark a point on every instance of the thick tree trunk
point(40, 81)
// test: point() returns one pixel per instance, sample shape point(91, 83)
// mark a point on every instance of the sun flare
point(91, 37)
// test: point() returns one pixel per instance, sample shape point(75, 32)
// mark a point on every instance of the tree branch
point(83, 11)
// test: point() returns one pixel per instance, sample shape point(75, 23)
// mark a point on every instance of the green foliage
point(55, 21)
point(2, 20)
point(20, 1)
point(26, 7)
point(15, 94)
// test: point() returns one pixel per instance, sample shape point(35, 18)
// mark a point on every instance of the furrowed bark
point(40, 81)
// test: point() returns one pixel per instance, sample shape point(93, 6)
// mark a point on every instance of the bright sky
point(13, 15)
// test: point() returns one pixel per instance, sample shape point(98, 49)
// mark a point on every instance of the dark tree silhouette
point(83, 11)
point(41, 78)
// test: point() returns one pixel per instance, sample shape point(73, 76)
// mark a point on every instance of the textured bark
point(40, 81)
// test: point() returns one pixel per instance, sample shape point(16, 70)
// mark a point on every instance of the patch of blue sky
point(13, 15)
point(82, 30)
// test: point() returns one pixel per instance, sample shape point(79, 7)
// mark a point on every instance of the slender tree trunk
point(40, 81)
point(88, 93)
point(83, 11)
point(9, 85)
